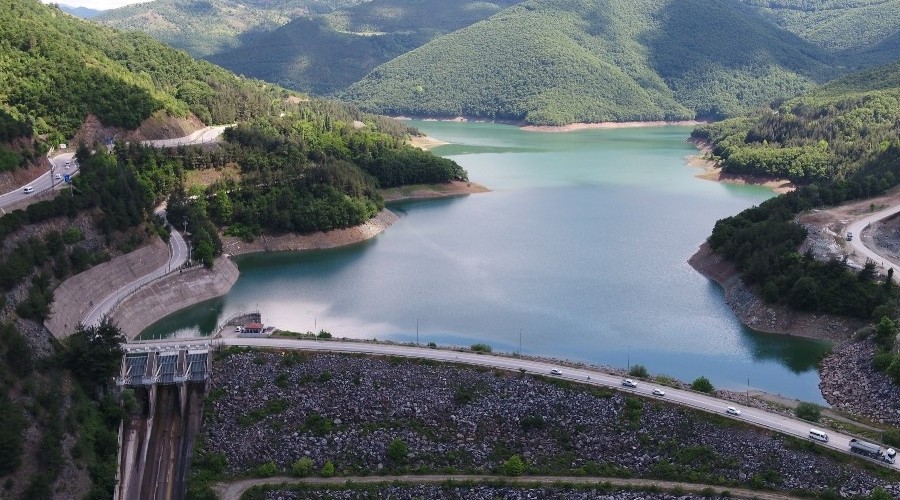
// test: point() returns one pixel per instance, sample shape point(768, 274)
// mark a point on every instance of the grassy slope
point(559, 61)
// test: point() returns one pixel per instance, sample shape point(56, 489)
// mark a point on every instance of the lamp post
point(520, 341)
point(417, 331)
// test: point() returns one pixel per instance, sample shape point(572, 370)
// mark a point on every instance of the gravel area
point(849, 382)
point(478, 493)
point(347, 409)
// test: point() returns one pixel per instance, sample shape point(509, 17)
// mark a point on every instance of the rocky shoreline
point(769, 318)
point(850, 383)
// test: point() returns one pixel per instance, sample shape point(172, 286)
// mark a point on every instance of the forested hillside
point(58, 69)
point(562, 61)
point(829, 133)
point(843, 139)
point(868, 29)
point(205, 27)
point(324, 55)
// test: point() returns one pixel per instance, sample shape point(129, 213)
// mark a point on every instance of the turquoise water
point(580, 250)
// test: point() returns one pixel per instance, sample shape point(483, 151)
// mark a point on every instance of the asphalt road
point(856, 227)
point(178, 254)
point(205, 135)
point(754, 416)
point(44, 182)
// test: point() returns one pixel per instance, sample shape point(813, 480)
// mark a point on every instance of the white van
point(28, 189)
point(818, 435)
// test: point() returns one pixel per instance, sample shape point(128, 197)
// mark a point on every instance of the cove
point(579, 252)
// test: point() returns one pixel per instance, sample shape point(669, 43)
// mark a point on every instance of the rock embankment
point(320, 240)
point(395, 492)
point(760, 316)
point(347, 409)
point(850, 383)
point(172, 293)
point(76, 296)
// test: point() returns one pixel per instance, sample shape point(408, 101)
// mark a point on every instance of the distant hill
point(205, 27)
point(327, 54)
point(82, 12)
point(58, 70)
point(563, 61)
point(869, 28)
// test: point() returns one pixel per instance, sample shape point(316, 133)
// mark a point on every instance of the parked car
point(628, 383)
point(731, 410)
point(659, 392)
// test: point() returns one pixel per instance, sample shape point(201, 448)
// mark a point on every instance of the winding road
point(858, 244)
point(761, 418)
point(44, 182)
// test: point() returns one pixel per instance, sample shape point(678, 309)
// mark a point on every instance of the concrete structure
point(156, 444)
point(76, 296)
point(172, 293)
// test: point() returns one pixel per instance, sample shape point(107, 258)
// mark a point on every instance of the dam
point(156, 441)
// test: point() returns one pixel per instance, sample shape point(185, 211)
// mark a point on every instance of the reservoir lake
point(579, 252)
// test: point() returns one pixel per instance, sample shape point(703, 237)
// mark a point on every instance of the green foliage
point(267, 469)
point(328, 469)
point(272, 407)
point(514, 466)
point(639, 371)
point(808, 411)
point(397, 451)
point(532, 421)
point(303, 467)
point(893, 370)
point(94, 353)
point(12, 423)
point(891, 437)
point(483, 348)
point(880, 493)
point(323, 335)
point(702, 384)
point(562, 61)
point(886, 333)
point(58, 70)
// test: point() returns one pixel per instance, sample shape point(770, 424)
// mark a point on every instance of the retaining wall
point(76, 296)
point(173, 293)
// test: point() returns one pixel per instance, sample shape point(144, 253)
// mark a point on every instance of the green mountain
point(324, 55)
point(867, 28)
point(563, 61)
point(204, 27)
point(836, 131)
point(58, 69)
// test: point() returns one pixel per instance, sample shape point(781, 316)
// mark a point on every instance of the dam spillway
point(156, 442)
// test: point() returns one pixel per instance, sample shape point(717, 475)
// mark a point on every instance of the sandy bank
point(428, 191)
point(425, 142)
point(712, 171)
point(604, 125)
point(769, 318)
point(314, 241)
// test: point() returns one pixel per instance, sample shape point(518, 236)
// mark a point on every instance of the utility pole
point(417, 331)
point(629, 359)
point(520, 341)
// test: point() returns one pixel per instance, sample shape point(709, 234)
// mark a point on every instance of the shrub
point(267, 469)
point(432, 345)
point(702, 384)
point(808, 411)
point(397, 451)
point(891, 437)
point(323, 334)
point(481, 348)
point(327, 470)
point(515, 466)
point(302, 467)
point(639, 371)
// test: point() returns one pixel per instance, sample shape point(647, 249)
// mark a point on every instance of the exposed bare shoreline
point(607, 125)
point(350, 235)
point(712, 171)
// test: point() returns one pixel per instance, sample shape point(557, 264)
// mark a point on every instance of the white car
point(28, 189)
point(628, 383)
point(555, 372)
point(659, 392)
point(731, 410)
point(57, 177)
